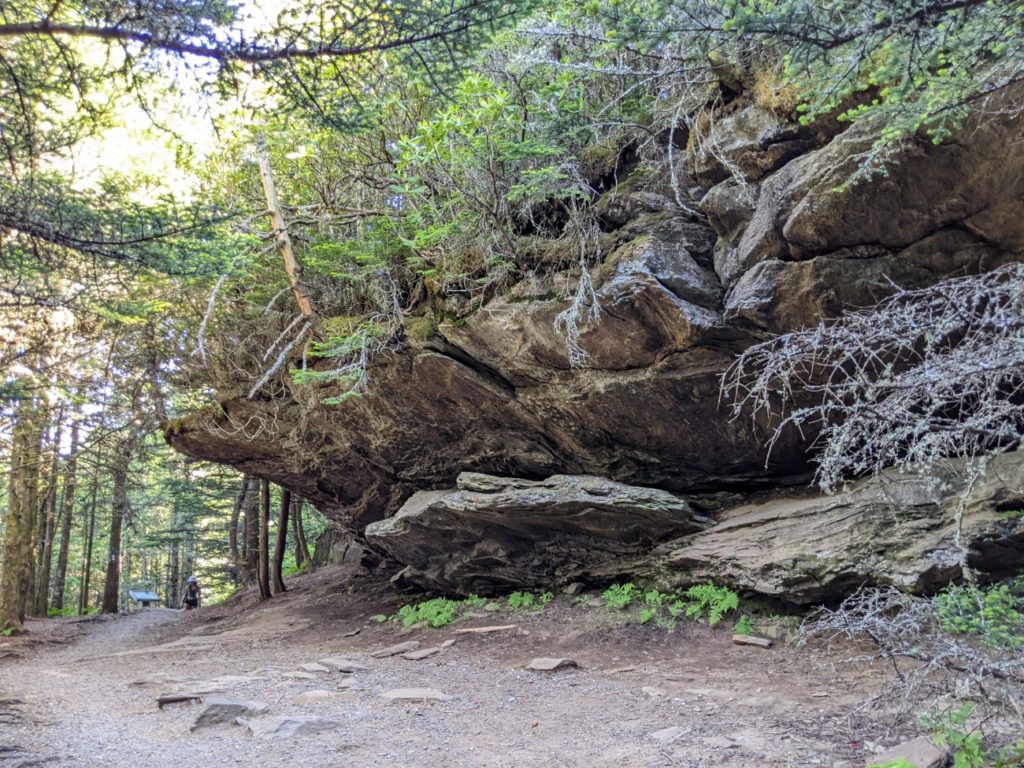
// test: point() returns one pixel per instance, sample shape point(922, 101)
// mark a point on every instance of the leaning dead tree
point(923, 376)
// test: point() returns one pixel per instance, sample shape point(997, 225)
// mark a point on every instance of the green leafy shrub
point(951, 730)
point(711, 599)
point(528, 601)
point(522, 601)
point(992, 613)
point(619, 596)
point(437, 613)
point(744, 626)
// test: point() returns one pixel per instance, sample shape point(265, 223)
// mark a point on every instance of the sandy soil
point(84, 693)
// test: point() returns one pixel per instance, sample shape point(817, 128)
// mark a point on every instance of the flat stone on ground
point(313, 667)
point(422, 653)
point(224, 711)
point(669, 735)
point(547, 664)
point(394, 650)
point(919, 752)
point(414, 694)
point(341, 664)
point(299, 675)
point(290, 725)
point(314, 697)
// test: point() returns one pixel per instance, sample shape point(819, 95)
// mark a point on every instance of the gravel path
point(641, 698)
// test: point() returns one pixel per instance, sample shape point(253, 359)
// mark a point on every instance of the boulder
point(787, 242)
point(897, 529)
point(527, 533)
point(749, 142)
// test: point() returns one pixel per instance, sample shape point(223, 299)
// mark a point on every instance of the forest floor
point(83, 692)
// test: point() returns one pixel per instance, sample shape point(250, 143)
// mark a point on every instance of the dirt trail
point(84, 693)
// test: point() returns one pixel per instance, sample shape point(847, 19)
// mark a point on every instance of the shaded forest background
point(201, 200)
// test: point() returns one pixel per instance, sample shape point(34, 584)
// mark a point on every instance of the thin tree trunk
point(281, 542)
point(67, 509)
point(42, 595)
point(18, 555)
point(284, 242)
point(83, 596)
point(302, 558)
point(237, 565)
point(264, 547)
point(251, 538)
point(118, 511)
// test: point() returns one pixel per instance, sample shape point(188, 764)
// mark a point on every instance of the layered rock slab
point(903, 530)
point(494, 534)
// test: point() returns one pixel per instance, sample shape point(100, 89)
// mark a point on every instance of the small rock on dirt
point(414, 694)
point(290, 725)
point(394, 650)
point(546, 664)
point(422, 653)
point(653, 692)
point(177, 698)
point(919, 752)
point(484, 630)
point(669, 735)
point(224, 711)
point(299, 675)
point(340, 664)
point(760, 642)
point(314, 697)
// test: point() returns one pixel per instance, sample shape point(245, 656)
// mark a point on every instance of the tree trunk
point(67, 508)
point(23, 505)
point(237, 566)
point(42, 595)
point(281, 542)
point(284, 242)
point(302, 558)
point(251, 538)
point(264, 547)
point(118, 511)
point(83, 595)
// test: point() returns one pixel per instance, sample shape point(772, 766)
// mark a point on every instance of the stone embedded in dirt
point(394, 650)
point(422, 653)
point(341, 664)
point(448, 643)
point(414, 695)
point(760, 642)
point(225, 711)
point(313, 667)
point(573, 589)
point(290, 725)
point(654, 693)
point(299, 675)
point(319, 696)
point(919, 752)
point(547, 664)
point(484, 630)
point(669, 735)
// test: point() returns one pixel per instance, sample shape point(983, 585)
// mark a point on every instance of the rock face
point(785, 242)
point(496, 534)
point(899, 530)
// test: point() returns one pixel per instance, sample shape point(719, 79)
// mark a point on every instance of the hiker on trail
point(193, 594)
